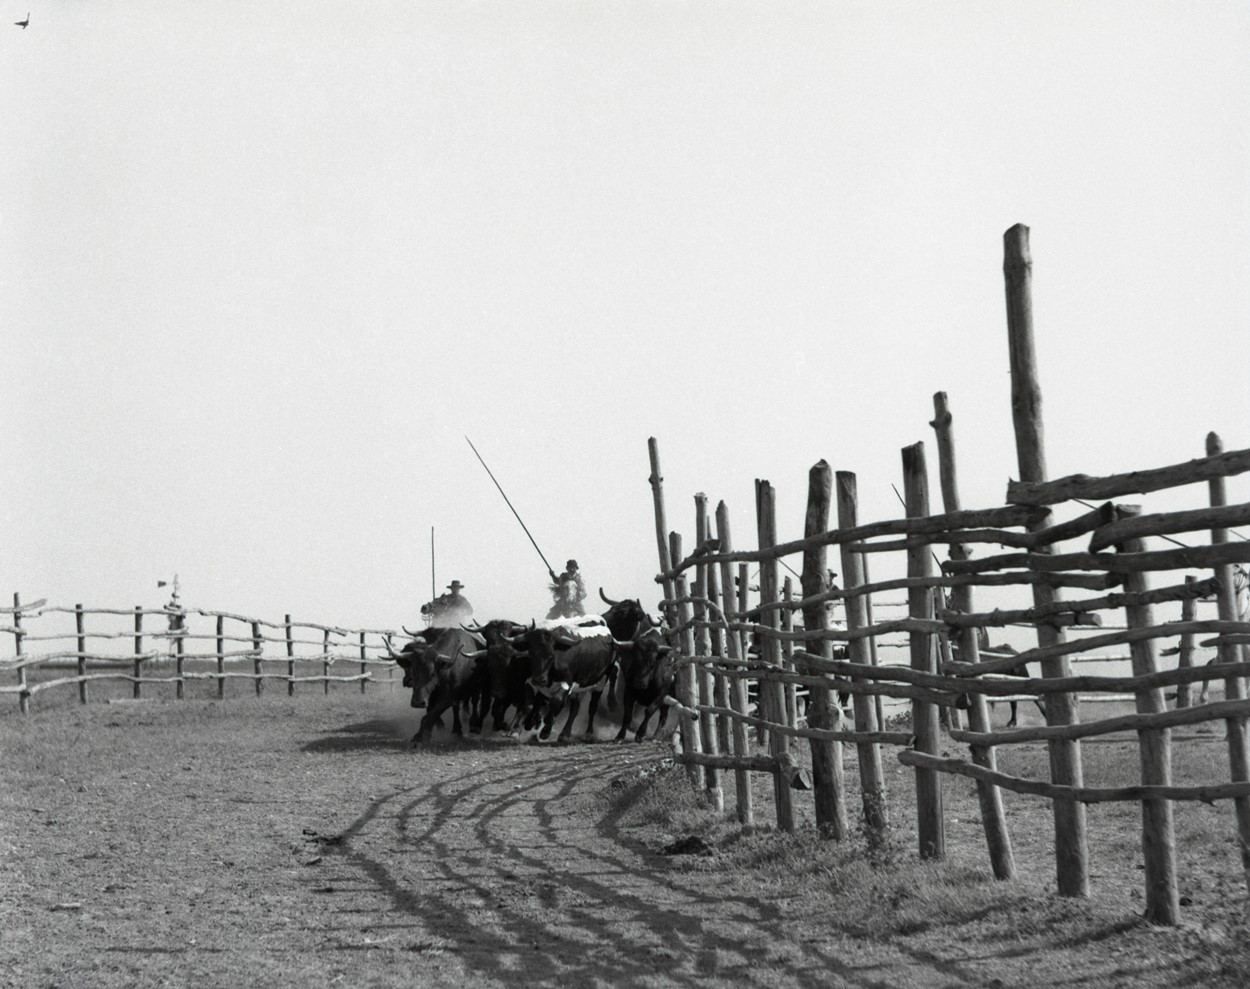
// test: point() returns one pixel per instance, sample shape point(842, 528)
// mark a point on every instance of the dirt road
point(284, 843)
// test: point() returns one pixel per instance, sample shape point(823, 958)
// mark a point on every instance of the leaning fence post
point(828, 779)
point(872, 785)
point(364, 663)
point(82, 654)
point(23, 691)
point(258, 647)
point(993, 821)
point(138, 687)
point(1158, 838)
point(770, 650)
point(1071, 837)
point(1234, 687)
point(325, 659)
point(738, 685)
point(290, 659)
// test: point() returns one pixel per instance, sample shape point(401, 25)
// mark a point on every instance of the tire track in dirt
point(507, 870)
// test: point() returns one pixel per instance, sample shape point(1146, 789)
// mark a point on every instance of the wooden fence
point(946, 674)
point(176, 653)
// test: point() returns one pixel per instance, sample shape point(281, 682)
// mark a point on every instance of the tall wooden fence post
point(180, 638)
point(1158, 838)
point(661, 530)
point(737, 686)
point(687, 675)
point(930, 820)
point(82, 653)
point(703, 649)
point(993, 821)
point(23, 692)
point(325, 660)
point(1185, 659)
point(859, 650)
point(138, 686)
point(258, 646)
point(790, 690)
point(1234, 687)
point(221, 659)
point(364, 663)
point(290, 658)
point(1071, 838)
point(770, 649)
point(720, 649)
point(828, 779)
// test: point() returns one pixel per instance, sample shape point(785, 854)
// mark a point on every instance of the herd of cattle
point(526, 675)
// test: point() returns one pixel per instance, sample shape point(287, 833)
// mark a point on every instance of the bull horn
point(607, 600)
point(475, 654)
point(386, 640)
point(409, 632)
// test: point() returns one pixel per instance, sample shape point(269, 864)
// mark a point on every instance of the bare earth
point(303, 843)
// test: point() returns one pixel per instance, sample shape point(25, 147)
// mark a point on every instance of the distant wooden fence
point(946, 673)
point(177, 653)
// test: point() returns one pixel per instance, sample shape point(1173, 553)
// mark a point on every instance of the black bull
point(442, 673)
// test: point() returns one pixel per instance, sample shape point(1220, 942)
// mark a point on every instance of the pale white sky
point(266, 265)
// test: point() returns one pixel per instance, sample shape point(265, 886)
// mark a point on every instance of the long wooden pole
point(993, 820)
point(1234, 687)
point(859, 650)
point(1071, 838)
point(737, 687)
point(930, 820)
point(509, 504)
point(1154, 748)
point(828, 778)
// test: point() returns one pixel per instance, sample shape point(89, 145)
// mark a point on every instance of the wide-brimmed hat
point(571, 565)
point(455, 585)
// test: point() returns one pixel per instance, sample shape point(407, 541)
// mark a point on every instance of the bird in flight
point(22, 24)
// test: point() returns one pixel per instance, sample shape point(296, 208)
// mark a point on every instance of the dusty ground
point(276, 842)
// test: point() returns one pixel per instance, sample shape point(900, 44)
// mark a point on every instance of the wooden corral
point(946, 675)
